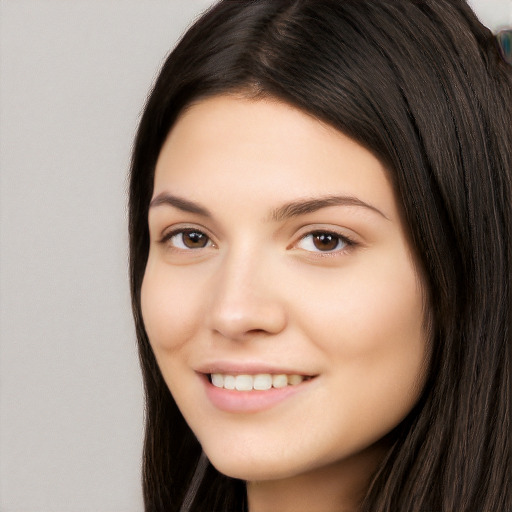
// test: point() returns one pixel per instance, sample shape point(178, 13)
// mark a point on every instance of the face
point(280, 296)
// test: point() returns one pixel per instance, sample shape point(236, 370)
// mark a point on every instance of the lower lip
point(249, 401)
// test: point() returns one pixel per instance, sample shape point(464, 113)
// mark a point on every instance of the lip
point(253, 401)
point(251, 368)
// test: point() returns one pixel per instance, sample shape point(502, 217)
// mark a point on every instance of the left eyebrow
point(304, 206)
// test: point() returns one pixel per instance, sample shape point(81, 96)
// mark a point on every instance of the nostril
point(256, 331)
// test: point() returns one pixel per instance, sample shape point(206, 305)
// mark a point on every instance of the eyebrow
point(286, 211)
point(304, 206)
point(180, 203)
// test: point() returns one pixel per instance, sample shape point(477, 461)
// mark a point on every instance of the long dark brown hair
point(421, 84)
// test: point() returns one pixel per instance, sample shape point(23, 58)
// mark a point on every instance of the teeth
point(243, 382)
point(229, 382)
point(260, 382)
point(217, 380)
point(293, 380)
point(279, 381)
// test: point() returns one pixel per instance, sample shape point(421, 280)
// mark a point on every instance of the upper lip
point(248, 368)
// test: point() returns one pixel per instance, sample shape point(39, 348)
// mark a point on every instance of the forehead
point(253, 149)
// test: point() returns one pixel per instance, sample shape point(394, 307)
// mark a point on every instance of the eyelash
point(341, 239)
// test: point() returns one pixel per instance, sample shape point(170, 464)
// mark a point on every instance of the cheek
point(372, 296)
point(373, 333)
point(170, 308)
point(370, 320)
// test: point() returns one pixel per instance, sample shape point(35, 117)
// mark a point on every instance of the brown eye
point(189, 239)
point(322, 241)
point(325, 241)
point(194, 239)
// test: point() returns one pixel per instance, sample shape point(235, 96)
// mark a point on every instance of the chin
point(251, 473)
point(251, 468)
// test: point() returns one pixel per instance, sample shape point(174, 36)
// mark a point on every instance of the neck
point(339, 487)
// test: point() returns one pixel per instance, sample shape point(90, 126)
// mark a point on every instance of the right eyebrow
point(178, 202)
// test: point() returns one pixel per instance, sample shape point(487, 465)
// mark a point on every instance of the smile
point(251, 393)
point(259, 382)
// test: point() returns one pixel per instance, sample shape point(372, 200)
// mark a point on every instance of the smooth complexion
point(277, 247)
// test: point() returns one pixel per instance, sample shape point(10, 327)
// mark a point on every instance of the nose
point(245, 300)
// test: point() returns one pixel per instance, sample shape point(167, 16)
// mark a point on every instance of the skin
point(260, 292)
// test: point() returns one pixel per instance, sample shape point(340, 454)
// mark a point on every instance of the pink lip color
point(248, 401)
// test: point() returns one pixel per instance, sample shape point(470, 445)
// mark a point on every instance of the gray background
point(73, 78)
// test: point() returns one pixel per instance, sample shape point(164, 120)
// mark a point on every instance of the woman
point(320, 222)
